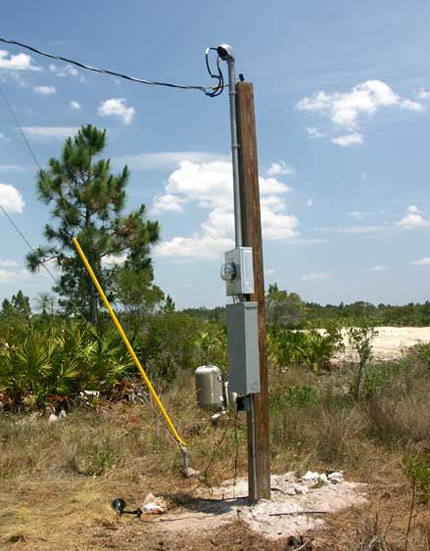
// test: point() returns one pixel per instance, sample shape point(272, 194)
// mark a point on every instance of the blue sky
point(343, 111)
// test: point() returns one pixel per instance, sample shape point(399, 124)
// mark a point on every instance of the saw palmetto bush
point(59, 361)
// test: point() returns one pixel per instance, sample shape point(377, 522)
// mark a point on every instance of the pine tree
point(88, 202)
point(16, 309)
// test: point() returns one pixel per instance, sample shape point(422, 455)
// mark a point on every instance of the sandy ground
point(390, 343)
point(296, 507)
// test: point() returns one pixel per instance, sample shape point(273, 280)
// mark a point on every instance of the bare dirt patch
point(296, 507)
point(389, 344)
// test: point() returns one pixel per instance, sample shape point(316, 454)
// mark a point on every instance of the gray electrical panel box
point(242, 348)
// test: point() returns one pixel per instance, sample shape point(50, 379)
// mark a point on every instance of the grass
point(58, 479)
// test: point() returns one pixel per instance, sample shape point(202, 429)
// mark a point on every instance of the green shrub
point(311, 349)
point(422, 352)
point(58, 361)
point(361, 334)
point(100, 461)
point(212, 345)
point(380, 377)
point(170, 345)
point(417, 470)
point(295, 396)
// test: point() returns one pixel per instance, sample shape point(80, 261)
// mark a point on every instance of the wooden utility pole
point(252, 237)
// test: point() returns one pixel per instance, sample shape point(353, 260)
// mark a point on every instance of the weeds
point(360, 336)
point(371, 536)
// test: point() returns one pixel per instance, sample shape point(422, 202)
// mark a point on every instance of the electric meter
point(238, 271)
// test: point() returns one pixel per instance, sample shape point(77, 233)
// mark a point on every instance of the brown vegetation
point(58, 479)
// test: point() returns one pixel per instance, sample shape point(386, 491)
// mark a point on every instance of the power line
point(207, 90)
point(30, 246)
point(27, 143)
point(20, 233)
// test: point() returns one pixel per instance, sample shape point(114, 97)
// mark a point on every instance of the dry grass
point(58, 480)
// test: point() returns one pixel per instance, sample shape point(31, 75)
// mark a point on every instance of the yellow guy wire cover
point(128, 345)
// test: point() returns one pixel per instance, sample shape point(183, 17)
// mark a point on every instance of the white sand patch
point(389, 344)
point(287, 514)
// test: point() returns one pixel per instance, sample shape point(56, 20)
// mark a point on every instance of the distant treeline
point(384, 314)
point(314, 314)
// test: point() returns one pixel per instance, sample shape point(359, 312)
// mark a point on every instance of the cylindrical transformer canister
point(209, 389)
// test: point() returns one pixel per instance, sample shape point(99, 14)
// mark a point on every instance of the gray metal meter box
point(238, 271)
point(242, 347)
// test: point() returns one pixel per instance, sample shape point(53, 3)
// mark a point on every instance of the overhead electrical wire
point(13, 223)
point(210, 91)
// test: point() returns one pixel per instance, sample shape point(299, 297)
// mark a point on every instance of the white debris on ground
point(154, 505)
point(54, 418)
point(298, 505)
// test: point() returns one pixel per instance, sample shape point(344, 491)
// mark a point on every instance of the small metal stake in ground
point(180, 443)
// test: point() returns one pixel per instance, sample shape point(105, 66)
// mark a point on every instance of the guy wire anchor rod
point(180, 443)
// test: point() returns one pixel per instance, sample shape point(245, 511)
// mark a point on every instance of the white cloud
point(346, 109)
point(63, 70)
point(113, 260)
point(316, 276)
point(277, 169)
point(17, 168)
point(354, 229)
point(275, 222)
point(411, 105)
point(379, 269)
point(425, 261)
point(206, 247)
point(423, 94)
point(413, 219)
point(9, 274)
point(348, 139)
point(11, 199)
point(166, 159)
point(8, 263)
point(50, 132)
point(168, 203)
point(310, 202)
point(269, 272)
point(45, 90)
point(75, 105)
point(313, 132)
point(6, 275)
point(18, 62)
point(209, 186)
point(116, 107)
point(360, 215)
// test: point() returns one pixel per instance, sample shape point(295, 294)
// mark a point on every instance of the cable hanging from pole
point(210, 91)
